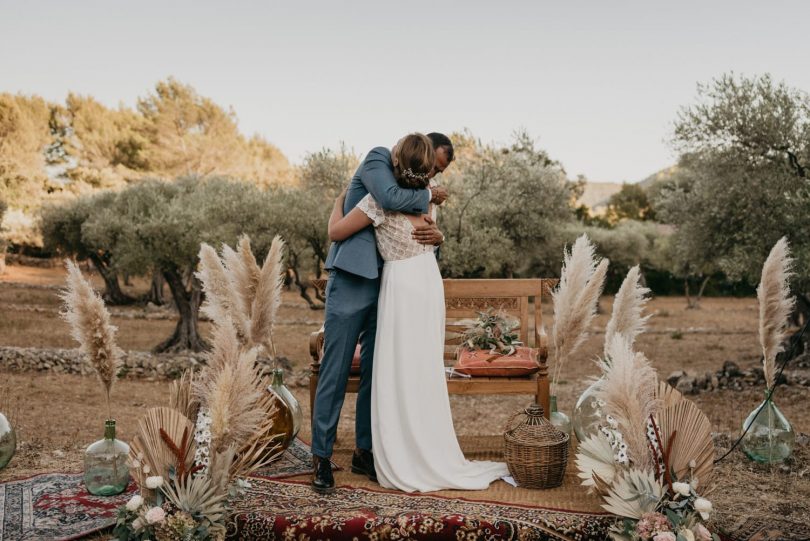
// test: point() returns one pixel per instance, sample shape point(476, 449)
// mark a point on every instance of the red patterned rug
point(291, 510)
point(56, 506)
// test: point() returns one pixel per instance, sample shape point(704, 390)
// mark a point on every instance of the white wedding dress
point(414, 442)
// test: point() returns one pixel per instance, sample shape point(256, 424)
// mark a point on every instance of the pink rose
point(701, 533)
point(155, 515)
point(664, 536)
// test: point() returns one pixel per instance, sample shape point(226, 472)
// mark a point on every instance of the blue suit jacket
point(358, 254)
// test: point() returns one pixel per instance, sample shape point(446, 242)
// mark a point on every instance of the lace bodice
point(393, 231)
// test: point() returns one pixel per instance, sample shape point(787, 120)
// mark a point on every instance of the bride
point(414, 442)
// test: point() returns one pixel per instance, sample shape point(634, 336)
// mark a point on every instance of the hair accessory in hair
point(410, 175)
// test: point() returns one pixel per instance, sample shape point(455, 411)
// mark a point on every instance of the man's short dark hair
point(441, 140)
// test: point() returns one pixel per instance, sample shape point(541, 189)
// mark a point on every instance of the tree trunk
point(292, 261)
point(800, 316)
point(186, 334)
point(693, 303)
point(112, 290)
point(156, 290)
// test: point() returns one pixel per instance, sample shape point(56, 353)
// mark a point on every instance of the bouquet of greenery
point(494, 332)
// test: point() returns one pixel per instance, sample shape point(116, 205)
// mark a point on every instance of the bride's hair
point(414, 158)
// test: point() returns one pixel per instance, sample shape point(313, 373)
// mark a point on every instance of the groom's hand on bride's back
point(428, 233)
point(439, 194)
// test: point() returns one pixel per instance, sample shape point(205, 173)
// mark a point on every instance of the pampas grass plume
point(629, 391)
point(775, 306)
point(628, 305)
point(268, 296)
point(90, 325)
point(575, 300)
point(221, 300)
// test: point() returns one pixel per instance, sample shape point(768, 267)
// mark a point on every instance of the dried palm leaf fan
point(686, 435)
point(668, 395)
point(150, 453)
point(596, 463)
point(181, 396)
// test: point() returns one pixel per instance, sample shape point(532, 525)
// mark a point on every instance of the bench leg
point(543, 397)
point(313, 387)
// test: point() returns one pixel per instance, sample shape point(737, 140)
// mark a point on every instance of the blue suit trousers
point(351, 316)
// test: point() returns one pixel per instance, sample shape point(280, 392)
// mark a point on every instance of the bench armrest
point(316, 349)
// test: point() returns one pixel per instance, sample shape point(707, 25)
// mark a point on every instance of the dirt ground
point(58, 415)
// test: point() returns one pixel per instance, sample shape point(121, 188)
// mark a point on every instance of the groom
point(351, 305)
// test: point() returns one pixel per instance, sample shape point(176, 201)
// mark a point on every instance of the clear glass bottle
point(105, 464)
point(8, 441)
point(770, 437)
point(290, 416)
point(558, 418)
point(587, 413)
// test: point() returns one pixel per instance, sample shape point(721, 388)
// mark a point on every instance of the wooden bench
point(520, 298)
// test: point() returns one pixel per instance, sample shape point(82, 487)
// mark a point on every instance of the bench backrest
point(519, 298)
point(464, 298)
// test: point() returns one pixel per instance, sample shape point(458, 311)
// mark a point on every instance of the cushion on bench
point(479, 362)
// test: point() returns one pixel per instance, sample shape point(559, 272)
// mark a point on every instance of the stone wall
point(71, 361)
point(137, 364)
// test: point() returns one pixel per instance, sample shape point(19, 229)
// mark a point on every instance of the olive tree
point(301, 214)
point(744, 178)
point(62, 232)
point(158, 226)
point(506, 209)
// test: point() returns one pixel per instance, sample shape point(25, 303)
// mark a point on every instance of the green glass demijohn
point(8, 441)
point(293, 416)
point(770, 437)
point(587, 413)
point(560, 420)
point(105, 464)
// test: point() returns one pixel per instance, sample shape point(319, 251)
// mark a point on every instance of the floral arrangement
point(653, 457)
point(191, 458)
point(494, 332)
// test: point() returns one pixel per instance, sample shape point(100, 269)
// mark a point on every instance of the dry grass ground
point(61, 414)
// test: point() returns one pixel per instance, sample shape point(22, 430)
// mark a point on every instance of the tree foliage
point(742, 180)
point(24, 136)
point(630, 203)
point(507, 207)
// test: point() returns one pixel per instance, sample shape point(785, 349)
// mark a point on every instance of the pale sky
point(597, 83)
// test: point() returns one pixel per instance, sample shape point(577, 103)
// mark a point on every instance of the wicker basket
point(536, 452)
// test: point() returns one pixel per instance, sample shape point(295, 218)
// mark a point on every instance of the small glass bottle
point(290, 416)
point(558, 418)
point(770, 437)
point(8, 441)
point(105, 464)
point(587, 413)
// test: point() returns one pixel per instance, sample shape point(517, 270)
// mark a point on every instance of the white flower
point(136, 464)
point(154, 482)
point(134, 503)
point(704, 507)
point(692, 464)
point(137, 524)
point(155, 515)
point(146, 468)
point(687, 534)
point(701, 533)
point(681, 488)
